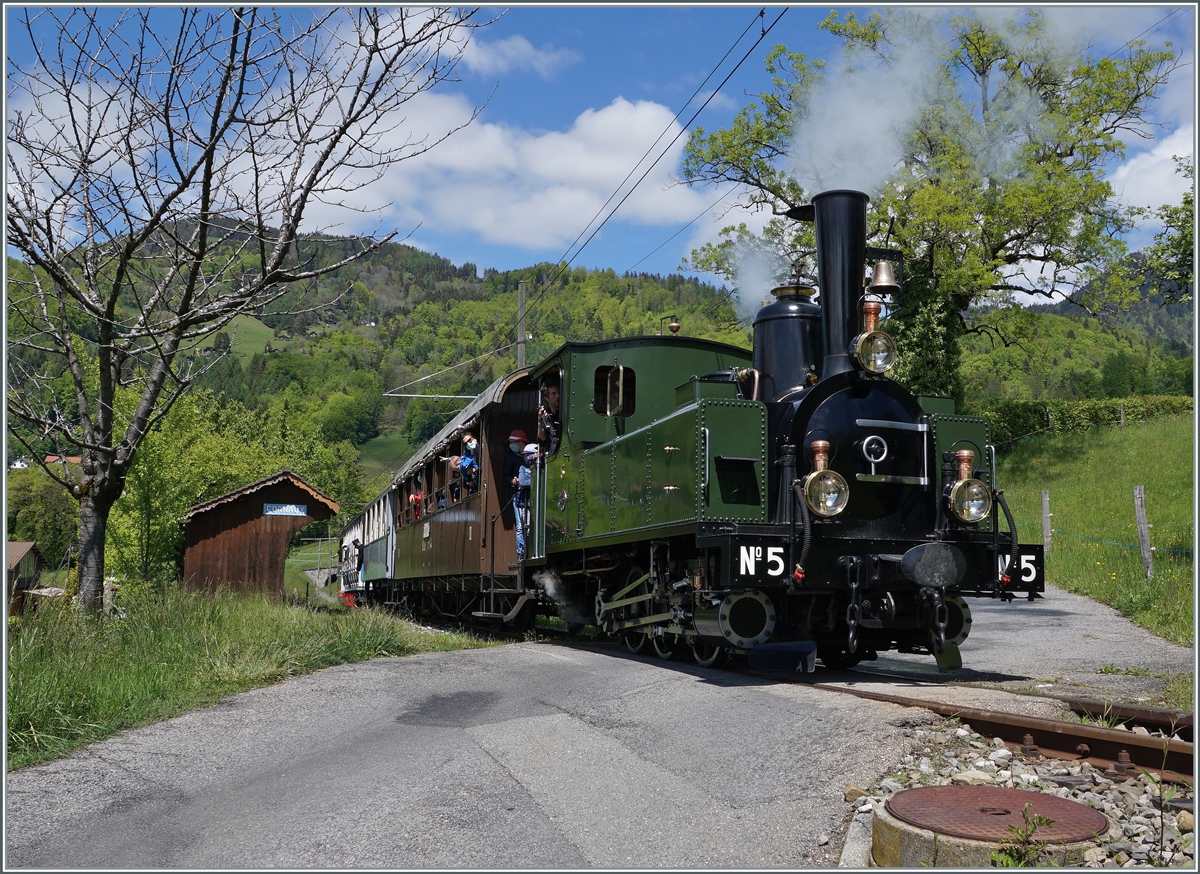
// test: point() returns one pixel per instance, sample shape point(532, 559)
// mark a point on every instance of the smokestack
point(841, 227)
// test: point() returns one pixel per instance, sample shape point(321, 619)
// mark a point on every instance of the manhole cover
point(984, 813)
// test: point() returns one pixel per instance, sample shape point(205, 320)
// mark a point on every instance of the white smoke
point(569, 611)
point(758, 270)
point(852, 135)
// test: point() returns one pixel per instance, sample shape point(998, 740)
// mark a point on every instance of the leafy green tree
point(996, 182)
point(42, 511)
point(205, 448)
point(1170, 259)
point(1120, 375)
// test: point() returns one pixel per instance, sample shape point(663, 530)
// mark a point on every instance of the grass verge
point(1090, 476)
point(73, 680)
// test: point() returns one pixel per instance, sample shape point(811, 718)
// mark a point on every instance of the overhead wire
point(563, 266)
point(546, 286)
point(703, 212)
point(1151, 29)
point(686, 103)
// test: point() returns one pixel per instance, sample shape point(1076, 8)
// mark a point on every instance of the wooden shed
point(241, 539)
point(25, 564)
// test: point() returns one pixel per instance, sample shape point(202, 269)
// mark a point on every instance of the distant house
point(241, 539)
point(64, 459)
point(21, 463)
point(25, 565)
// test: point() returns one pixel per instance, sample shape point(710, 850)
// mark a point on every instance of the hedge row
point(1012, 419)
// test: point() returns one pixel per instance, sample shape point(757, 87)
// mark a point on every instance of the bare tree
point(161, 163)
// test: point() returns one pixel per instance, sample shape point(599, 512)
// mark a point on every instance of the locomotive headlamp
point(970, 499)
point(825, 491)
point(873, 350)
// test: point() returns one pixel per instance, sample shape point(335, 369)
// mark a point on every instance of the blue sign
point(285, 509)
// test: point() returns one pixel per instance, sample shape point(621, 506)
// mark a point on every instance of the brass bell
point(883, 279)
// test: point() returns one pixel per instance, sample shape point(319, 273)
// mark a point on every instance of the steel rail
point(1178, 723)
point(1121, 752)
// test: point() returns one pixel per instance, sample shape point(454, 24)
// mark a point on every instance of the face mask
point(515, 447)
point(471, 444)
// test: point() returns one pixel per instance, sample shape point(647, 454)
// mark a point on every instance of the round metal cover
point(984, 813)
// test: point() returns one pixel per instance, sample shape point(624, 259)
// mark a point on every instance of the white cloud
point(719, 101)
point(1149, 179)
point(531, 191)
point(516, 53)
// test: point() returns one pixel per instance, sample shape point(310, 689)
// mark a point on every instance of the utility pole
point(520, 324)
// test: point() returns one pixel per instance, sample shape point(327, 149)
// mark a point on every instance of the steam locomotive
point(789, 503)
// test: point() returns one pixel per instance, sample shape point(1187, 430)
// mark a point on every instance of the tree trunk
point(93, 522)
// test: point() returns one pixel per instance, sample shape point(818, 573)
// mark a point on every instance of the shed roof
point(16, 550)
point(285, 474)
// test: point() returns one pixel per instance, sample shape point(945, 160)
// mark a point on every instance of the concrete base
point(897, 844)
point(856, 851)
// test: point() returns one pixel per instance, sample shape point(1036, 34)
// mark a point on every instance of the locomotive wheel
point(666, 648)
point(708, 655)
point(635, 641)
point(628, 612)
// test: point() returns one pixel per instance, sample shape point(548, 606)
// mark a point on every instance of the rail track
point(1115, 750)
point(1173, 723)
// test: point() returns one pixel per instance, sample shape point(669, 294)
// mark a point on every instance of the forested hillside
point(1041, 354)
point(400, 314)
point(304, 384)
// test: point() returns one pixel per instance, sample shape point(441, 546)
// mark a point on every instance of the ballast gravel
point(1154, 821)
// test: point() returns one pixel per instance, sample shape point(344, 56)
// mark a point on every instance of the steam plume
point(570, 611)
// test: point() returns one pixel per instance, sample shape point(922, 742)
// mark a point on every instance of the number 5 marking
point(775, 560)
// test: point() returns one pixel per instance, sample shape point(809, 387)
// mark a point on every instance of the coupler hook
point(853, 566)
point(939, 616)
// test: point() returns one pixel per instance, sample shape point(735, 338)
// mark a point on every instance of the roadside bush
point(1010, 420)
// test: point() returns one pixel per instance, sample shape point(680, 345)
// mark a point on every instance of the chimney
point(841, 228)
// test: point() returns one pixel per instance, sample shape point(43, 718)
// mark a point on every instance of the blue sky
point(579, 93)
point(575, 95)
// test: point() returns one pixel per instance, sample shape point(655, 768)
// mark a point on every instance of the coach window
point(614, 391)
point(430, 488)
point(439, 484)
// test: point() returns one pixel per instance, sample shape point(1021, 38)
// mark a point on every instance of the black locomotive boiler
point(791, 503)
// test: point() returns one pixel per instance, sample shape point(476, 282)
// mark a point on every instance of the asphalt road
point(532, 756)
point(527, 755)
point(1062, 644)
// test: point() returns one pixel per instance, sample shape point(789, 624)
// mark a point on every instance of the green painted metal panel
point(660, 365)
point(697, 389)
point(595, 493)
point(673, 468)
point(951, 433)
point(629, 504)
point(562, 496)
point(736, 436)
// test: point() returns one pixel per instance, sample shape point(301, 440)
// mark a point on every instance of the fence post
point(1046, 531)
point(1139, 509)
point(1122, 414)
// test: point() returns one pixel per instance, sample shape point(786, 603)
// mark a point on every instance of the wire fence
point(1097, 539)
point(1116, 542)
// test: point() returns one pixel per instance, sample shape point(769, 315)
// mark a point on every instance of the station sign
point(285, 509)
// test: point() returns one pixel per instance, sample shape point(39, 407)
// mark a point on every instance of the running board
point(505, 617)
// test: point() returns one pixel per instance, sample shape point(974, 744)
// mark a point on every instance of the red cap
point(518, 437)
